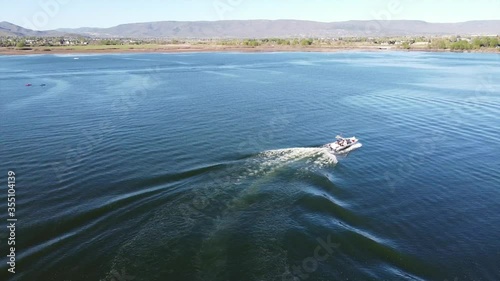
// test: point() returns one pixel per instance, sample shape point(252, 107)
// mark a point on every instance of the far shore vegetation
point(450, 43)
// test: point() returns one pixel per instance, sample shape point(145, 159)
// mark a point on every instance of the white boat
point(344, 144)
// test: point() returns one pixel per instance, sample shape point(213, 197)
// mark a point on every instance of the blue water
point(210, 166)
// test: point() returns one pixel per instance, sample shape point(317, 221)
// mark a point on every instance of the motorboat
point(344, 144)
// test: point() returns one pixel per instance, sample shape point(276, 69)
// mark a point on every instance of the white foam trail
point(301, 62)
point(222, 74)
point(319, 157)
point(72, 55)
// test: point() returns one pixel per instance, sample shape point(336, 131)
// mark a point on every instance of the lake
point(210, 166)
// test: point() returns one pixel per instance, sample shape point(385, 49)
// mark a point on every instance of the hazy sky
point(51, 14)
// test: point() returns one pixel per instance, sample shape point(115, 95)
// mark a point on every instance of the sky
point(53, 14)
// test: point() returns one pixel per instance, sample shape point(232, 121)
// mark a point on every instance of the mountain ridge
point(266, 28)
point(10, 29)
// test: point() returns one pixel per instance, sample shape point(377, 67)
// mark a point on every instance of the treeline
point(416, 42)
point(455, 43)
point(278, 41)
point(21, 42)
point(419, 42)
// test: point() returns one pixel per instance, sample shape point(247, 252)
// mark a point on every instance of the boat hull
point(350, 145)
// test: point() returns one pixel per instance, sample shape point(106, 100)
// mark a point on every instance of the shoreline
point(9, 51)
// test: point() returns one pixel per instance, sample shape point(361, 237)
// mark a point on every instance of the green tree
point(21, 44)
point(461, 45)
point(251, 43)
point(476, 43)
point(282, 42)
point(440, 44)
point(306, 42)
point(109, 42)
point(485, 42)
point(494, 42)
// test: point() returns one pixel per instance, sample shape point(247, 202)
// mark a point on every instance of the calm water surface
point(210, 166)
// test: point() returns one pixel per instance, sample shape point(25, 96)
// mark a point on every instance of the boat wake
point(216, 205)
point(313, 157)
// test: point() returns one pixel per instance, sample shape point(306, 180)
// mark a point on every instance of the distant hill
point(9, 29)
point(269, 28)
point(289, 28)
